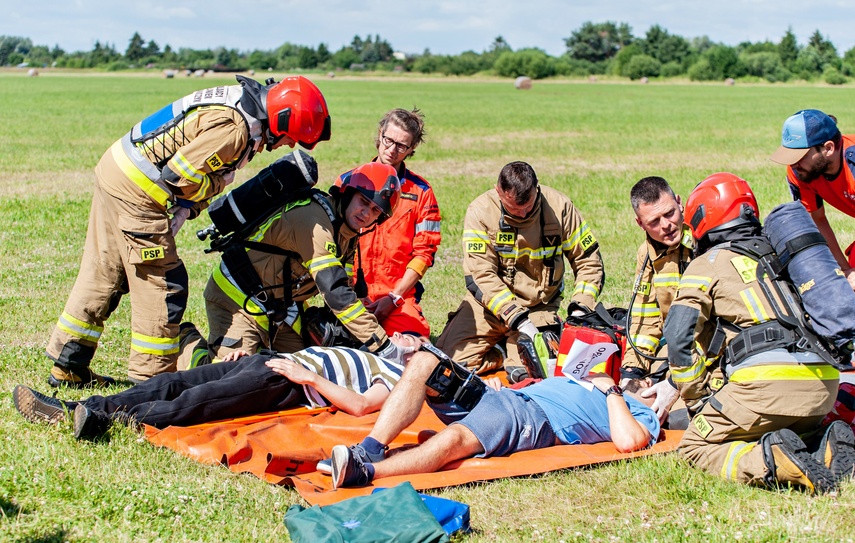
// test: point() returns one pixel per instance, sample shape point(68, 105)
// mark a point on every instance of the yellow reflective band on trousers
point(197, 356)
point(239, 298)
point(79, 329)
point(737, 450)
point(496, 302)
point(158, 346)
point(785, 372)
point(754, 305)
point(590, 289)
point(351, 312)
point(646, 310)
point(136, 175)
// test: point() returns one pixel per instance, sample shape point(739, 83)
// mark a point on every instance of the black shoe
point(789, 462)
point(325, 466)
point(85, 378)
point(348, 469)
point(837, 450)
point(36, 407)
point(90, 424)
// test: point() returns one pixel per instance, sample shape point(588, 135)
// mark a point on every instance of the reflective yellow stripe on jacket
point(135, 174)
point(239, 298)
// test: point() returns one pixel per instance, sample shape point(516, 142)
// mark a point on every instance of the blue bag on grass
point(395, 515)
point(453, 516)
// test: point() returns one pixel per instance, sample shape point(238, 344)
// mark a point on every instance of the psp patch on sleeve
point(587, 242)
point(331, 247)
point(214, 162)
point(476, 246)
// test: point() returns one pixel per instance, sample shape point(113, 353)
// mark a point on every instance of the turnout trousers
point(724, 437)
point(129, 249)
point(471, 331)
point(204, 394)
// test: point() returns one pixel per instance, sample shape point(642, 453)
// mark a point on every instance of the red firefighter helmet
point(377, 182)
point(296, 108)
point(720, 202)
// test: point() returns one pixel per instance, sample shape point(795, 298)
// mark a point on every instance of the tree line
point(606, 48)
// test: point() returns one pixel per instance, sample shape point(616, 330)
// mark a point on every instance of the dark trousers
point(204, 394)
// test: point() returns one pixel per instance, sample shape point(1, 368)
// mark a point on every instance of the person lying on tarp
point(484, 419)
point(356, 382)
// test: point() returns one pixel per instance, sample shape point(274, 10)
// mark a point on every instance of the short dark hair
point(518, 180)
point(648, 190)
point(413, 122)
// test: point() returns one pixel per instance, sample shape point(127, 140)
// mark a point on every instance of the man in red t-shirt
point(821, 169)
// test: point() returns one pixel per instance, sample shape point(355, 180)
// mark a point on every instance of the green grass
point(592, 141)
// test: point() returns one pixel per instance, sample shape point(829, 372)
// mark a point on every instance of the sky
point(410, 26)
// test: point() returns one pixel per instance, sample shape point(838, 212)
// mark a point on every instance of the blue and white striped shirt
point(352, 369)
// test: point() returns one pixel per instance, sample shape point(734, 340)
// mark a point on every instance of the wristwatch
point(396, 299)
point(614, 389)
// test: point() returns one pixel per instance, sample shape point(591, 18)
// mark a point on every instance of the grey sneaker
point(90, 424)
point(325, 466)
point(348, 469)
point(37, 407)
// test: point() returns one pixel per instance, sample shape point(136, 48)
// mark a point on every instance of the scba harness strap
point(246, 278)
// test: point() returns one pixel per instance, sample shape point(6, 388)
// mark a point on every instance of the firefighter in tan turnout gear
point(318, 238)
point(774, 390)
point(661, 259)
point(515, 239)
point(161, 173)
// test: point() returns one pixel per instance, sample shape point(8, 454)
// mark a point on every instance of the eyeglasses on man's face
point(389, 142)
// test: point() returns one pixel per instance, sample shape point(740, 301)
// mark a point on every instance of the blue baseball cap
point(802, 131)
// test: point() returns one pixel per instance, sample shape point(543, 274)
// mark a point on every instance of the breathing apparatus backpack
point(238, 215)
point(817, 309)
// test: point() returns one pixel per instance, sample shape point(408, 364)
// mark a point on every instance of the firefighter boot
point(80, 378)
point(837, 450)
point(789, 462)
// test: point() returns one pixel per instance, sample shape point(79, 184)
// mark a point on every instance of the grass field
point(590, 140)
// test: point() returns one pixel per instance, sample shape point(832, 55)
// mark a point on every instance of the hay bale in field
point(330, 74)
point(729, 82)
point(252, 72)
point(32, 72)
point(168, 74)
point(523, 82)
point(592, 79)
point(644, 81)
point(199, 73)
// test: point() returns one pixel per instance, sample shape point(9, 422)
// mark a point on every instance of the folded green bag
point(394, 515)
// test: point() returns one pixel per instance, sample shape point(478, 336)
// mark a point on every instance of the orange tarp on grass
point(283, 448)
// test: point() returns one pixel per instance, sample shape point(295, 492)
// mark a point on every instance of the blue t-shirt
point(581, 416)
